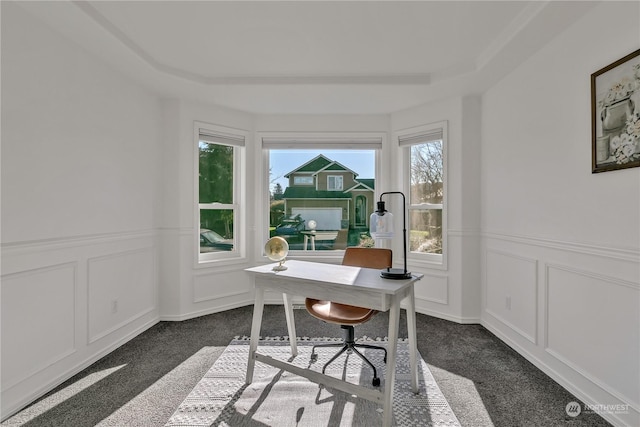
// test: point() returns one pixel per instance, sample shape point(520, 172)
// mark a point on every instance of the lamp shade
point(381, 225)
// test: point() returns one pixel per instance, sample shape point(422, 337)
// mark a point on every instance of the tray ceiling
point(309, 57)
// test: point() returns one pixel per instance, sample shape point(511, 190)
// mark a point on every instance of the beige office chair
point(347, 316)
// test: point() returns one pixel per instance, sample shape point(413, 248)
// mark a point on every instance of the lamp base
point(395, 274)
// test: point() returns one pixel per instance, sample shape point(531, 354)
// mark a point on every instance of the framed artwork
point(615, 115)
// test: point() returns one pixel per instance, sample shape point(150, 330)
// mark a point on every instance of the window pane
point(216, 230)
point(216, 173)
point(303, 180)
point(426, 173)
point(332, 214)
point(425, 231)
point(334, 183)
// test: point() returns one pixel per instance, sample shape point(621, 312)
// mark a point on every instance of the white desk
point(317, 235)
point(349, 285)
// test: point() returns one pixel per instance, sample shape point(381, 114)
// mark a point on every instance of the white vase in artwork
point(614, 116)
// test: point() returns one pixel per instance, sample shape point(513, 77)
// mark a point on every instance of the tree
point(277, 192)
point(277, 188)
point(426, 173)
point(216, 173)
point(216, 185)
point(427, 187)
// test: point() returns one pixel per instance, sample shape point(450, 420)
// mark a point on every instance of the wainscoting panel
point(68, 302)
point(122, 288)
point(511, 292)
point(592, 326)
point(38, 320)
point(434, 288)
point(583, 304)
point(219, 285)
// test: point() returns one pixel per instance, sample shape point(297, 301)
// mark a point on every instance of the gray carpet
point(485, 382)
point(277, 397)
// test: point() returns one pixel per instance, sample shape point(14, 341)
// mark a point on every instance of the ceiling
point(304, 57)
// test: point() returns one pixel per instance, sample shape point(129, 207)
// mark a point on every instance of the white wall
point(451, 290)
point(189, 289)
point(562, 244)
point(80, 208)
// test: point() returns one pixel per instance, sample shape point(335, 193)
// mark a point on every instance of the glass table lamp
point(381, 228)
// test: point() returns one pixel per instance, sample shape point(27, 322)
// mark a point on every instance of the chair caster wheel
point(376, 382)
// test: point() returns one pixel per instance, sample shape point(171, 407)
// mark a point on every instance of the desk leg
point(413, 340)
point(291, 323)
point(306, 240)
point(392, 351)
point(258, 308)
point(313, 243)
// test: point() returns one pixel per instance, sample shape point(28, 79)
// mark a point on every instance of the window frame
point(335, 178)
point(238, 254)
point(427, 259)
point(376, 141)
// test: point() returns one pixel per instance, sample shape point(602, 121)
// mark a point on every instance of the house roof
point(364, 184)
point(318, 164)
point(312, 165)
point(336, 166)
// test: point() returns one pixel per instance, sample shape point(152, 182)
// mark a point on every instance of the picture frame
point(615, 115)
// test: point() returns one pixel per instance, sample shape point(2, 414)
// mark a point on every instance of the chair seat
point(340, 314)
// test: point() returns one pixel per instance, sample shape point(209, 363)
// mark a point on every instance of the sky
point(282, 162)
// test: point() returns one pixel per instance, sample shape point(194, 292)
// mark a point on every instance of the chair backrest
point(368, 257)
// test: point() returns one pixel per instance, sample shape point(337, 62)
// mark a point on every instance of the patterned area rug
point(278, 398)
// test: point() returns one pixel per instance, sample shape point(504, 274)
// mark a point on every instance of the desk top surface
point(320, 232)
point(334, 274)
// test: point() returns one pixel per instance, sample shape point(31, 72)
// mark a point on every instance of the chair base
point(349, 345)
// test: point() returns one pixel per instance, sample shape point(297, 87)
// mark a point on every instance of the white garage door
point(326, 218)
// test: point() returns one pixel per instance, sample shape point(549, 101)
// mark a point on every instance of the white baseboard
point(612, 418)
point(449, 317)
point(206, 311)
point(64, 376)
